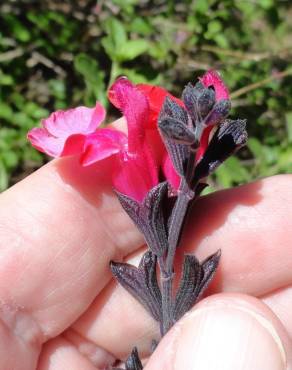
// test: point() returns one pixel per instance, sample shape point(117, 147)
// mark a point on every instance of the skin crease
point(60, 227)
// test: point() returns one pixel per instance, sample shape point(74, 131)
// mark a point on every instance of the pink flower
point(140, 154)
point(156, 96)
point(74, 132)
point(64, 132)
point(137, 170)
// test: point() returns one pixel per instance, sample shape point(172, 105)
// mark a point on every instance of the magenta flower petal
point(137, 172)
point(44, 142)
point(170, 173)
point(64, 132)
point(80, 120)
point(132, 177)
point(102, 144)
point(133, 104)
point(73, 145)
point(212, 78)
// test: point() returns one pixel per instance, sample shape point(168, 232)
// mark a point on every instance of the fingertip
point(225, 331)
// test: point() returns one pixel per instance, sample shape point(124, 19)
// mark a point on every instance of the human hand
point(60, 309)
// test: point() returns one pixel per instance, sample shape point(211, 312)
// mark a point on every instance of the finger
point(280, 302)
point(97, 355)
point(59, 228)
point(115, 315)
point(262, 209)
point(59, 354)
point(19, 347)
point(225, 332)
point(252, 227)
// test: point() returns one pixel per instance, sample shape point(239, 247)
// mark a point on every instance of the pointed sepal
point(133, 362)
point(219, 112)
point(177, 131)
point(198, 100)
point(229, 137)
point(170, 114)
point(148, 216)
point(141, 282)
point(195, 279)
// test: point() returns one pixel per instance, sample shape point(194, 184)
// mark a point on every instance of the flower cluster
point(141, 157)
point(159, 167)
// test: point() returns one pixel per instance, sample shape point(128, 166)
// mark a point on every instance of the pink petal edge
point(44, 142)
point(212, 78)
point(80, 120)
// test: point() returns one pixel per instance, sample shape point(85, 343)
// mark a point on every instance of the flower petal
point(156, 96)
point(134, 106)
point(44, 142)
point(73, 145)
point(170, 173)
point(80, 120)
point(132, 176)
point(229, 137)
point(102, 144)
point(203, 142)
point(212, 78)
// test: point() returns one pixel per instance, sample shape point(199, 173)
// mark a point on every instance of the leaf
point(93, 76)
point(194, 281)
point(156, 234)
point(148, 217)
point(131, 49)
point(141, 283)
point(133, 361)
point(3, 176)
point(6, 111)
point(209, 266)
point(232, 172)
point(116, 38)
point(188, 289)
point(141, 26)
point(289, 126)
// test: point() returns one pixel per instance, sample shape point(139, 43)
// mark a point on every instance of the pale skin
point(60, 308)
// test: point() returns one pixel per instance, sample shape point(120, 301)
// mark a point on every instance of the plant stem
point(258, 84)
point(166, 265)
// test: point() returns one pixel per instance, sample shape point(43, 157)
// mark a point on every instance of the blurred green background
point(58, 54)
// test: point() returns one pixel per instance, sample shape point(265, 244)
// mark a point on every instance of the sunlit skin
point(60, 227)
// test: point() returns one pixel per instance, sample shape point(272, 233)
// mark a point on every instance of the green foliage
point(55, 55)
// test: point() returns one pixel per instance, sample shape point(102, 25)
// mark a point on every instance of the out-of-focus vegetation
point(58, 54)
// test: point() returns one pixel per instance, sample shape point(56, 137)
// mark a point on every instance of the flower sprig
point(160, 169)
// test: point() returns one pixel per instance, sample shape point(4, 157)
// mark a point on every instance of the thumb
point(225, 332)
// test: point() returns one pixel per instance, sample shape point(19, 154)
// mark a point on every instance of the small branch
point(37, 57)
point(241, 55)
point(11, 54)
point(251, 87)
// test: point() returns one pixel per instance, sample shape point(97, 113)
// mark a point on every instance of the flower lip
point(64, 132)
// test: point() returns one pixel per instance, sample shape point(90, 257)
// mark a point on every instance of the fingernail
point(228, 338)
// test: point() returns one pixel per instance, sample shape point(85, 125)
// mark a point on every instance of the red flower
point(156, 96)
point(140, 154)
point(137, 170)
